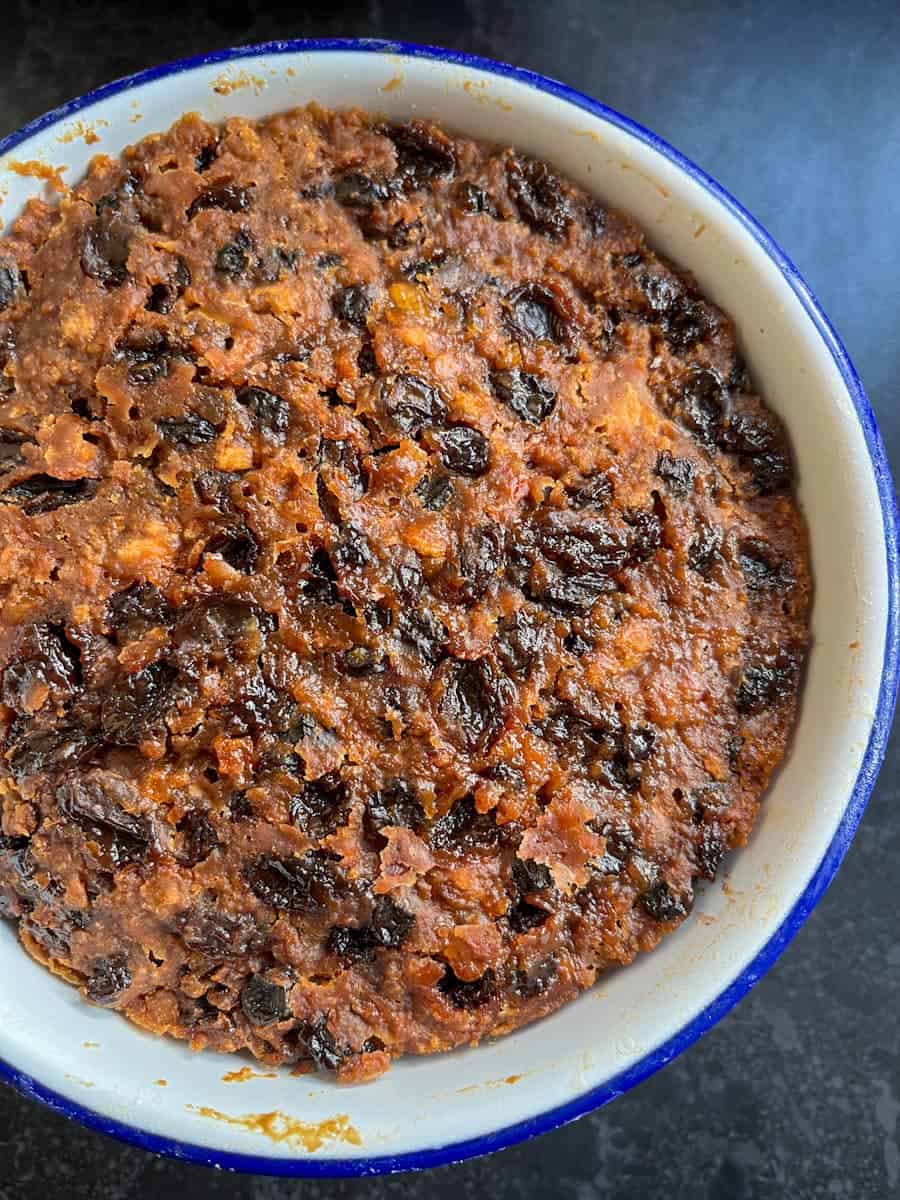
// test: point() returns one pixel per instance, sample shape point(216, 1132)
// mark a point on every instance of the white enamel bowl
point(94, 1066)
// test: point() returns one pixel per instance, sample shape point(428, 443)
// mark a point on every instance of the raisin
point(676, 473)
point(199, 837)
point(585, 544)
point(328, 504)
point(533, 314)
point(45, 660)
point(474, 199)
point(475, 697)
point(108, 979)
point(412, 403)
point(464, 450)
point(468, 994)
point(529, 397)
point(220, 934)
point(104, 250)
point(391, 925)
point(424, 632)
point(763, 570)
point(189, 430)
point(321, 1046)
point(233, 258)
point(351, 304)
point(686, 323)
point(539, 196)
point(395, 804)
point(518, 642)
point(577, 643)
point(710, 851)
point(703, 552)
point(326, 262)
point(264, 1003)
point(410, 581)
point(537, 979)
point(236, 546)
point(44, 493)
point(303, 885)
point(596, 493)
point(205, 157)
point(133, 707)
point(435, 491)
point(94, 803)
point(764, 685)
point(772, 472)
point(46, 749)
point(164, 295)
point(701, 406)
point(228, 196)
point(321, 806)
point(462, 827)
point(662, 904)
point(565, 593)
point(360, 191)
point(424, 153)
point(275, 261)
point(366, 362)
point(10, 282)
point(11, 443)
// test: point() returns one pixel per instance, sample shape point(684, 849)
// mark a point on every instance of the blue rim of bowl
point(868, 772)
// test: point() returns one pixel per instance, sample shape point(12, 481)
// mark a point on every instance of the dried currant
point(597, 492)
point(424, 153)
point(763, 570)
point(395, 804)
point(189, 430)
point(677, 473)
point(354, 190)
point(236, 546)
point(701, 405)
point(537, 979)
point(10, 283)
point(473, 199)
point(703, 552)
point(94, 802)
point(390, 924)
point(104, 248)
point(109, 978)
point(763, 685)
point(468, 994)
point(533, 314)
point(539, 196)
point(11, 443)
point(518, 642)
point(163, 296)
point(46, 666)
point(711, 850)
point(464, 450)
point(321, 1046)
point(263, 1002)
point(321, 805)
point(528, 396)
point(662, 904)
point(230, 197)
point(270, 412)
point(198, 837)
point(132, 708)
point(304, 885)
point(412, 403)
point(474, 701)
point(351, 304)
point(41, 493)
point(435, 491)
point(233, 259)
point(36, 751)
point(424, 632)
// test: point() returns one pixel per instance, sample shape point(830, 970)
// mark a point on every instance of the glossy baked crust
point(403, 596)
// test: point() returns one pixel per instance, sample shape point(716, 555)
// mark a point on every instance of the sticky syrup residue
point(38, 170)
point(246, 1073)
point(225, 84)
point(161, 1082)
point(280, 1128)
point(82, 129)
point(392, 84)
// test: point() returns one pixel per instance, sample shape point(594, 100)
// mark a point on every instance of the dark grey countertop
point(795, 108)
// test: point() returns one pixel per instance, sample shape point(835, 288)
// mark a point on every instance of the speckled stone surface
point(795, 108)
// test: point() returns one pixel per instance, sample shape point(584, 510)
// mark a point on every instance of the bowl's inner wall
point(101, 1062)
